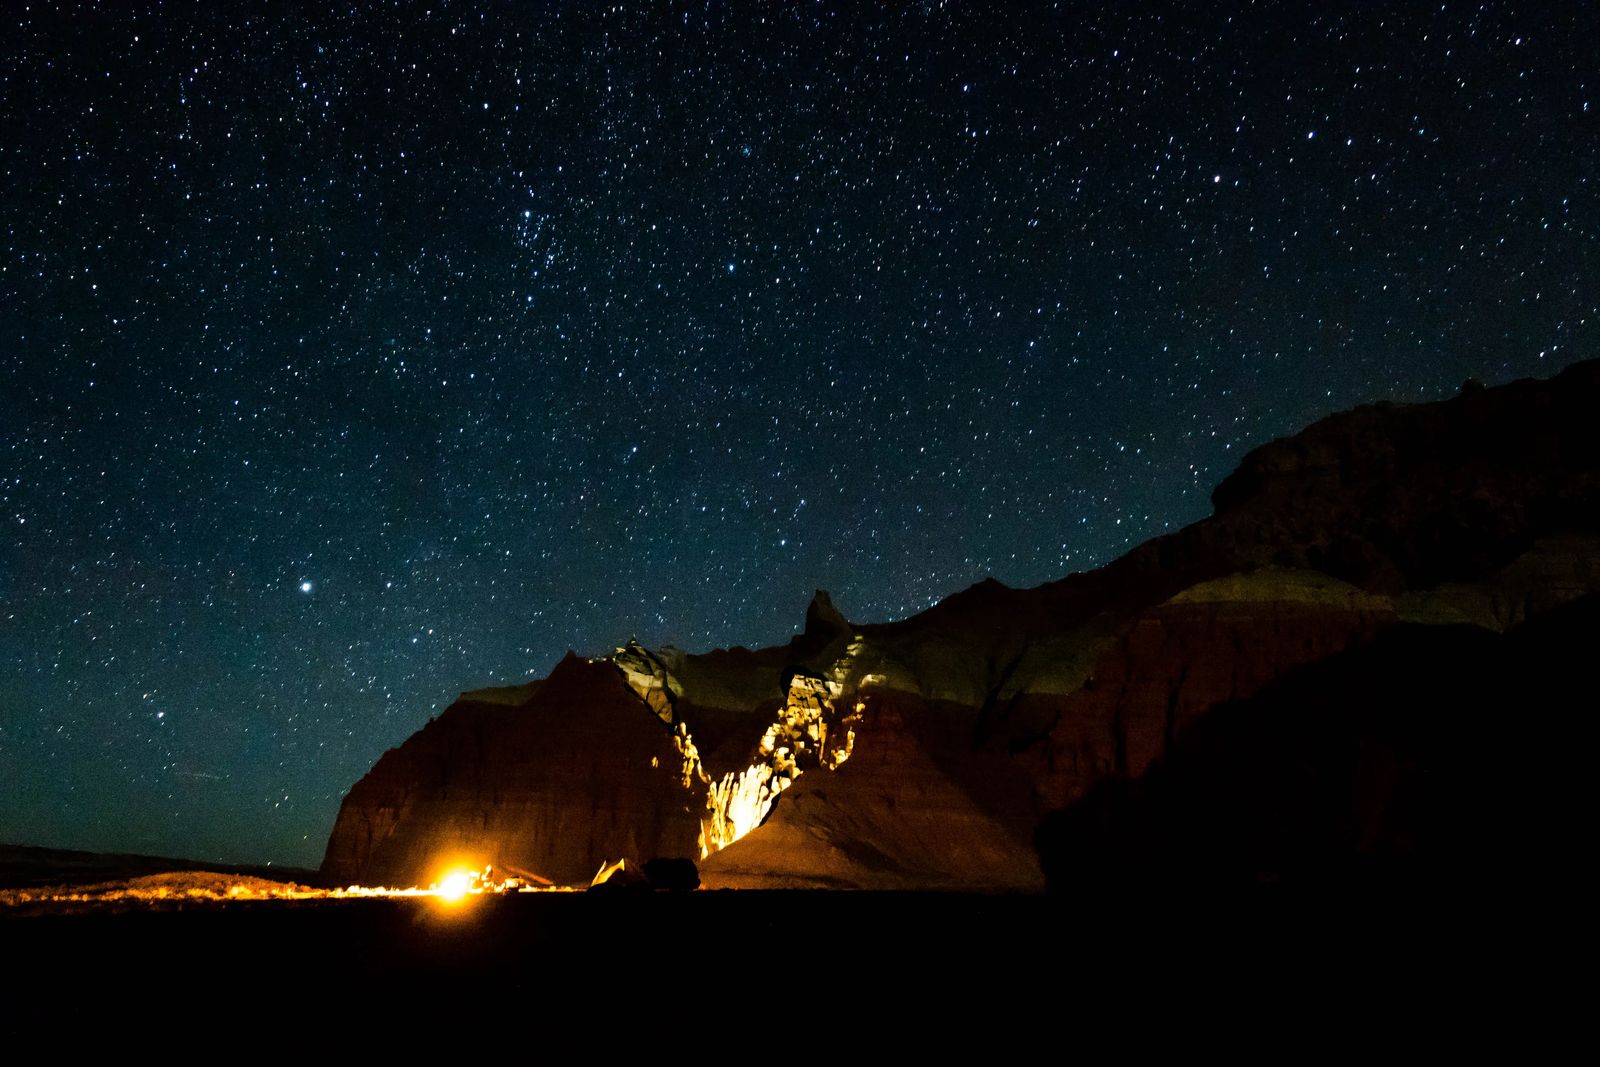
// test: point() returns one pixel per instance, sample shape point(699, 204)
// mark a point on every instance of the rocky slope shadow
point(1390, 759)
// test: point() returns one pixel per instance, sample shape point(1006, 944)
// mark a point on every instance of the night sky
point(349, 361)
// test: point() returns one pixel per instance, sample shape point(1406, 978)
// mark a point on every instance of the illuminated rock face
point(923, 753)
point(648, 677)
point(899, 814)
point(808, 732)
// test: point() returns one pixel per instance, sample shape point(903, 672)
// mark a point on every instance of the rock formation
point(1387, 759)
point(580, 769)
point(924, 753)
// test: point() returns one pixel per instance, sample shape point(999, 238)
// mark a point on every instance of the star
point(990, 323)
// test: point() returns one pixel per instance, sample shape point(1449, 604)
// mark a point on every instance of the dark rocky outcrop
point(1403, 497)
point(1385, 759)
point(1219, 641)
point(674, 874)
point(923, 753)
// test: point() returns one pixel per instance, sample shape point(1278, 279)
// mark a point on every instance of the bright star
point(305, 587)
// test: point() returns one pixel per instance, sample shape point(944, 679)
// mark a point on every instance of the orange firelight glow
point(455, 886)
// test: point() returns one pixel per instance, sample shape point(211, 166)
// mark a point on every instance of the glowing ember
point(454, 886)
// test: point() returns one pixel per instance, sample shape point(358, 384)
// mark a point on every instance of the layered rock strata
point(923, 753)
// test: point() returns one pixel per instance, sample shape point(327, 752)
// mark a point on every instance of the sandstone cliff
point(541, 787)
point(923, 753)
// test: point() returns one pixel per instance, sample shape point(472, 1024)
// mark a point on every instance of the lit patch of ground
point(178, 887)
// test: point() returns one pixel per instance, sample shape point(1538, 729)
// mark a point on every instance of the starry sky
point(352, 358)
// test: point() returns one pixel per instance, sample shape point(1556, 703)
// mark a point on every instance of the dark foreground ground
point(1283, 972)
point(542, 940)
point(22, 866)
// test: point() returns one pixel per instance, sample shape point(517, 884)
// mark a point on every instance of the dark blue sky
point(351, 360)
